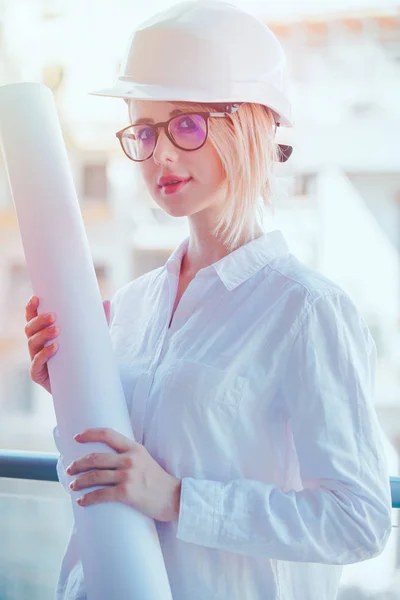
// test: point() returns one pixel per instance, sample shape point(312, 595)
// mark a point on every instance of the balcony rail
point(23, 464)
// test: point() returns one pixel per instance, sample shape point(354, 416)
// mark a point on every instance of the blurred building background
point(337, 202)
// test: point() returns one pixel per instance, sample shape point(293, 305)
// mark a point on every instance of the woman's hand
point(39, 330)
point(133, 476)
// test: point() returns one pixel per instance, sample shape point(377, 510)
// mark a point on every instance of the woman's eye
point(145, 134)
point(187, 123)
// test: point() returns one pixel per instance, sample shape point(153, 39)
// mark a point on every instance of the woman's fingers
point(31, 308)
point(39, 330)
point(97, 477)
point(35, 322)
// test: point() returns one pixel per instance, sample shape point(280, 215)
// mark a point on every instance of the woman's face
point(204, 191)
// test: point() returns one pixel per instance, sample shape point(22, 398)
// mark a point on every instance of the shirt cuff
point(200, 511)
point(63, 477)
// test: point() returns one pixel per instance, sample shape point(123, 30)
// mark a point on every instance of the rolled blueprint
point(119, 545)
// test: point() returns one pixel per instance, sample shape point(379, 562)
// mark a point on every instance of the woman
point(249, 376)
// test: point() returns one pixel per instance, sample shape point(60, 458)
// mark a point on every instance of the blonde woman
point(249, 376)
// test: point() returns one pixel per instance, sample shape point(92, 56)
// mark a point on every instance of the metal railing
point(23, 464)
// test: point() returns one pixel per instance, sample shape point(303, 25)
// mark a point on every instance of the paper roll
point(119, 545)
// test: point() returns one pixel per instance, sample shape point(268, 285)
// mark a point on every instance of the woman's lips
point(173, 188)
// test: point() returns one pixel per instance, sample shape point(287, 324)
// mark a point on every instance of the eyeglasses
point(187, 131)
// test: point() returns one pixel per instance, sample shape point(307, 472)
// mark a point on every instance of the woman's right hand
point(39, 330)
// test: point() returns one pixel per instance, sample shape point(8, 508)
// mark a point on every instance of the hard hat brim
point(239, 92)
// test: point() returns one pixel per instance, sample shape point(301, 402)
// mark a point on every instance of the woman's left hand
point(133, 476)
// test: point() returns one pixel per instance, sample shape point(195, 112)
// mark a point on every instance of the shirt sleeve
point(63, 478)
point(70, 583)
point(343, 513)
point(115, 302)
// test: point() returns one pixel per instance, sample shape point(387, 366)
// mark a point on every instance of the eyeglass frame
point(229, 109)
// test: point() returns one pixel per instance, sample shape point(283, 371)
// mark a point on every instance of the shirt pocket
point(203, 402)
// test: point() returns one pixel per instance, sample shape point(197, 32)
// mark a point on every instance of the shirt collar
point(238, 266)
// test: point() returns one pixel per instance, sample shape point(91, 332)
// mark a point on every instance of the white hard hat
point(205, 51)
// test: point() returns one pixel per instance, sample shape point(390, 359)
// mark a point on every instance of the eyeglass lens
point(187, 131)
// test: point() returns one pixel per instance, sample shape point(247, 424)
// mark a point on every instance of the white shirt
point(260, 397)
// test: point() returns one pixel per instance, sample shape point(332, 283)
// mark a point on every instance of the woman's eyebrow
point(174, 112)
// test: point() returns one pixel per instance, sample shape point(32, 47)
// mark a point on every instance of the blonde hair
point(245, 144)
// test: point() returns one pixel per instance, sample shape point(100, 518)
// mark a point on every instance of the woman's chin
point(176, 205)
point(175, 209)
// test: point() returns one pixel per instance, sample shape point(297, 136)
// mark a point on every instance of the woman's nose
point(164, 149)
